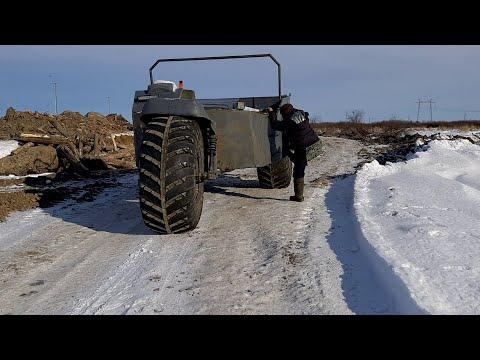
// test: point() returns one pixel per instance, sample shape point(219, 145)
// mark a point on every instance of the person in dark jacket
point(300, 135)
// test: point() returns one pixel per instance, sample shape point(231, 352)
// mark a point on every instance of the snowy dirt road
point(253, 252)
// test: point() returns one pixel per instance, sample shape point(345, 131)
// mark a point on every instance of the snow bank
point(422, 218)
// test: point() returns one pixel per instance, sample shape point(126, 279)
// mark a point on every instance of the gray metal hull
point(243, 139)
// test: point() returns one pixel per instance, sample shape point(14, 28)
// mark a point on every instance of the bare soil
point(28, 193)
point(115, 154)
point(16, 201)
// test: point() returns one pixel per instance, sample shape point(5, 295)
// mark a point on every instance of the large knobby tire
point(171, 166)
point(277, 175)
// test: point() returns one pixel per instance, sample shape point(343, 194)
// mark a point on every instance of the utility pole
point(418, 112)
point(108, 98)
point(425, 102)
point(55, 91)
point(431, 116)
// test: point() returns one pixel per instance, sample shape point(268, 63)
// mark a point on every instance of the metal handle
point(222, 58)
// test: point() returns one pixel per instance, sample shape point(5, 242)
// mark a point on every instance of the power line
point(450, 109)
point(469, 111)
point(425, 102)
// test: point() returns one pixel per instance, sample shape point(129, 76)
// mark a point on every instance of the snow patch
point(7, 146)
point(10, 177)
point(128, 133)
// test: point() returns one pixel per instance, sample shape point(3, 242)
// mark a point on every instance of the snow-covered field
point(422, 218)
point(396, 239)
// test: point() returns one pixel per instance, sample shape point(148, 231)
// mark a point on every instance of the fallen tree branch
point(57, 125)
point(43, 139)
point(66, 152)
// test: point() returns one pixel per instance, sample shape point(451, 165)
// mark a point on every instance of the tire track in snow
point(172, 266)
point(113, 293)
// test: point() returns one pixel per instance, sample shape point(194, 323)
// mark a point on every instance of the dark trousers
point(299, 160)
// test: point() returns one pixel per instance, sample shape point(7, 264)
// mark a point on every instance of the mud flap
point(314, 150)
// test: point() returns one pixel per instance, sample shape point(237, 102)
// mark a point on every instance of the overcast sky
point(384, 81)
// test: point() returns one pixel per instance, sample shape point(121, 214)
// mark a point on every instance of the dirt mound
point(104, 142)
point(71, 146)
point(15, 123)
point(30, 160)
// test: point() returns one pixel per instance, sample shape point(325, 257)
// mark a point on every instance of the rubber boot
point(298, 185)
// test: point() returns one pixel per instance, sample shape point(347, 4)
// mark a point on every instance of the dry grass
point(359, 130)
